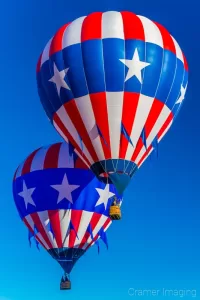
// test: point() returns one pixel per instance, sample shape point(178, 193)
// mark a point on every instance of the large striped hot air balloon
point(112, 84)
point(64, 206)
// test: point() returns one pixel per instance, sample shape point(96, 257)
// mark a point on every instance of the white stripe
point(62, 114)
point(114, 107)
point(179, 52)
point(160, 138)
point(64, 159)
point(45, 53)
point(72, 34)
point(44, 218)
point(142, 112)
point(19, 170)
point(66, 139)
point(83, 225)
point(95, 241)
point(60, 132)
point(165, 131)
point(39, 158)
point(98, 226)
point(164, 114)
point(112, 25)
point(64, 225)
point(151, 32)
point(85, 108)
point(105, 229)
point(82, 158)
point(31, 223)
point(145, 158)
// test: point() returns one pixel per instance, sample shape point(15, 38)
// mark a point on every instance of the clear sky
point(156, 245)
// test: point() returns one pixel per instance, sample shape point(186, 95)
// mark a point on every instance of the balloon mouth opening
point(107, 174)
point(115, 171)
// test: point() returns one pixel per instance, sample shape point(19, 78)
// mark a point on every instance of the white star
point(26, 194)
point(135, 66)
point(65, 190)
point(58, 78)
point(104, 196)
point(182, 96)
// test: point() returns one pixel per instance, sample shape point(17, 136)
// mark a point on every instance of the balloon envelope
point(63, 204)
point(112, 84)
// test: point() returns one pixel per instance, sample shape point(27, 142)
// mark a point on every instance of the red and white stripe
point(112, 24)
point(53, 156)
point(108, 110)
point(60, 220)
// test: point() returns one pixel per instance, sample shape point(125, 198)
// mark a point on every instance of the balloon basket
point(115, 212)
point(65, 285)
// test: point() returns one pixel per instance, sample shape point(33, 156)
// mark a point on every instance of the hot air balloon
point(112, 84)
point(65, 207)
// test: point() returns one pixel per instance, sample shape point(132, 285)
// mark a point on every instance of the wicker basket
point(115, 212)
point(65, 285)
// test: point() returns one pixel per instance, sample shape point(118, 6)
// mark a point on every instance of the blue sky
point(156, 245)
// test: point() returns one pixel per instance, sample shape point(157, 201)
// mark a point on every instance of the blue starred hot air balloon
point(65, 207)
point(112, 84)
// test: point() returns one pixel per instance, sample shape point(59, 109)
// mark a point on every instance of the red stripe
point(93, 223)
point(97, 235)
point(150, 122)
point(91, 28)
point(55, 223)
point(14, 177)
point(95, 220)
point(144, 156)
point(165, 125)
point(84, 240)
point(133, 28)
point(79, 164)
point(90, 244)
point(40, 228)
point(168, 42)
point(73, 112)
point(39, 64)
point(32, 231)
point(137, 150)
point(27, 165)
point(56, 44)
point(128, 115)
point(153, 116)
point(52, 157)
point(99, 105)
point(108, 221)
point(75, 220)
point(66, 133)
point(185, 62)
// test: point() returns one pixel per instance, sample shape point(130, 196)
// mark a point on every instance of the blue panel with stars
point(92, 52)
point(135, 50)
point(175, 90)
point(53, 189)
point(167, 75)
point(59, 77)
point(72, 57)
point(154, 56)
point(49, 88)
point(113, 51)
point(112, 65)
point(181, 96)
point(49, 109)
